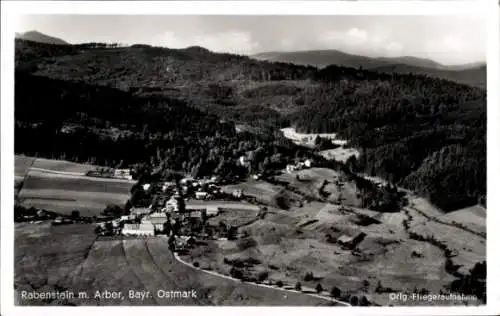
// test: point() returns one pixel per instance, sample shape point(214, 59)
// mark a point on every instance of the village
point(180, 210)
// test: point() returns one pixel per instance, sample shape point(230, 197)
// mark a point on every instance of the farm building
point(349, 241)
point(200, 195)
point(130, 217)
point(143, 229)
point(209, 209)
point(290, 168)
point(159, 223)
point(123, 174)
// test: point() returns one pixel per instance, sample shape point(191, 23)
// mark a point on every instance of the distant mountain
point(471, 74)
point(38, 37)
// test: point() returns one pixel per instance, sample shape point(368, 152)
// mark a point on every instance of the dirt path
point(176, 256)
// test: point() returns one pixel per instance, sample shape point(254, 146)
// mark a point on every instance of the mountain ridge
point(470, 74)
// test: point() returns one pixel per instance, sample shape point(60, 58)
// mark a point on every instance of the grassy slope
point(45, 258)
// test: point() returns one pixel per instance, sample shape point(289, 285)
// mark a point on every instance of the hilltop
point(471, 74)
point(38, 37)
point(425, 133)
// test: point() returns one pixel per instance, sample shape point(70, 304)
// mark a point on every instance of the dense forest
point(109, 127)
point(171, 109)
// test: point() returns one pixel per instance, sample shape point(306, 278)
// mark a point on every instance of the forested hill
point(425, 133)
point(472, 74)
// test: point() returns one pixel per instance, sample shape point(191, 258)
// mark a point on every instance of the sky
point(445, 39)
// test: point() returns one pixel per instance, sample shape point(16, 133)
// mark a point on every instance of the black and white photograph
point(249, 160)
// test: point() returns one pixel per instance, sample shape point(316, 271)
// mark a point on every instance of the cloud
point(230, 41)
point(356, 40)
point(357, 34)
point(394, 48)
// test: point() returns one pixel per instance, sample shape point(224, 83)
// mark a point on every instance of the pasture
point(71, 258)
point(473, 217)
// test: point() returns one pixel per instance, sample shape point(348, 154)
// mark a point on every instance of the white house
point(307, 163)
point(143, 229)
point(123, 174)
point(200, 195)
point(157, 222)
point(130, 217)
point(172, 205)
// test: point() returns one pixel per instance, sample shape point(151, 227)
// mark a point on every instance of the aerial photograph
point(258, 160)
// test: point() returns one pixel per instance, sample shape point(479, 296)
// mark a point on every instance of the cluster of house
point(122, 174)
point(111, 173)
point(200, 189)
point(298, 166)
point(148, 221)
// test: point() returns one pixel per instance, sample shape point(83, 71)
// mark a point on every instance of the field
point(71, 258)
point(62, 187)
point(24, 163)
